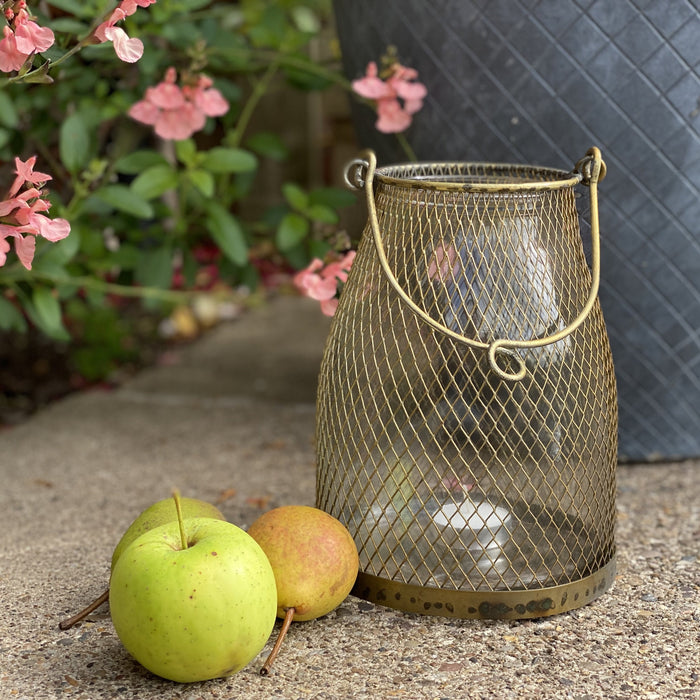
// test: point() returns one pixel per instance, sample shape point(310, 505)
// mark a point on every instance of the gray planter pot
point(540, 82)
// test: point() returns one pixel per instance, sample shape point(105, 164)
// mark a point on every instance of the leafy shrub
point(141, 208)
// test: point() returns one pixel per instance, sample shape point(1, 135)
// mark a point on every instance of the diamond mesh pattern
point(537, 81)
point(446, 474)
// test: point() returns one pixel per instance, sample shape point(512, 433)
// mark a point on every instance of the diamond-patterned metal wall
point(539, 82)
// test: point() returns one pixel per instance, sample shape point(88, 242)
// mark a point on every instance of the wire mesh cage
point(467, 415)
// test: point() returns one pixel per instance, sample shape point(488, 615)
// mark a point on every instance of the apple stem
point(288, 617)
point(68, 623)
point(178, 508)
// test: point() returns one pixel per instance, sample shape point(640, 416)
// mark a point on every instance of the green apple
point(162, 512)
point(194, 599)
point(159, 513)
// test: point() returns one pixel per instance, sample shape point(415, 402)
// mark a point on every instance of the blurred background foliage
point(169, 236)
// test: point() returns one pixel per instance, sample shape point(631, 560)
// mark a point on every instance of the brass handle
point(360, 173)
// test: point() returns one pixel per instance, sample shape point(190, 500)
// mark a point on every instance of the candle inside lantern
point(482, 522)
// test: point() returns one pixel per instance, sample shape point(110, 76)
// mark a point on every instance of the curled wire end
point(355, 173)
point(496, 349)
point(591, 166)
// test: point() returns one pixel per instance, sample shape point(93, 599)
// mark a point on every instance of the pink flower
point(30, 37)
point(392, 118)
point(329, 306)
point(24, 247)
point(178, 112)
point(397, 98)
point(130, 6)
point(127, 49)
point(320, 282)
point(22, 215)
point(372, 86)
point(25, 173)
point(10, 56)
point(457, 485)
point(444, 262)
point(206, 98)
point(340, 268)
point(22, 38)
point(313, 284)
point(4, 250)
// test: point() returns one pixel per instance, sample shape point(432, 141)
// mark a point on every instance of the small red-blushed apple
point(315, 561)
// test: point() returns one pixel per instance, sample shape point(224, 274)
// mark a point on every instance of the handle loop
point(359, 174)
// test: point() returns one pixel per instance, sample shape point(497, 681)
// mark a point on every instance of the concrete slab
point(231, 420)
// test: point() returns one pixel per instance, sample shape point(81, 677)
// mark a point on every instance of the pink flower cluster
point(178, 112)
point(320, 281)
point(444, 263)
point(397, 98)
point(21, 214)
point(22, 37)
point(127, 49)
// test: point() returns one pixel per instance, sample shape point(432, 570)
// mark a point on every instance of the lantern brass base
point(501, 605)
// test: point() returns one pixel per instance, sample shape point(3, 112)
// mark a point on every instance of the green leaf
point(10, 317)
point(38, 76)
point(126, 257)
point(333, 197)
point(227, 233)
point(94, 297)
point(186, 151)
point(154, 181)
point(229, 160)
point(318, 249)
point(124, 199)
point(306, 19)
point(79, 8)
point(46, 266)
point(292, 230)
point(241, 186)
point(61, 252)
point(270, 24)
point(74, 143)
point(68, 25)
point(155, 268)
point(136, 162)
point(8, 113)
point(203, 181)
point(297, 256)
point(295, 196)
point(322, 213)
point(305, 78)
point(268, 144)
point(45, 311)
point(168, 10)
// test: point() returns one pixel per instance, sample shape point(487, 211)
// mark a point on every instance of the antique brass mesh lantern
point(467, 413)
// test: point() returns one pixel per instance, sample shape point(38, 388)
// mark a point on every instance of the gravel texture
point(231, 420)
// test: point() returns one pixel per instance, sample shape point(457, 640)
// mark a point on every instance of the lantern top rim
point(455, 176)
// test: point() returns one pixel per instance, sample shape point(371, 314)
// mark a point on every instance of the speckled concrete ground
point(231, 420)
